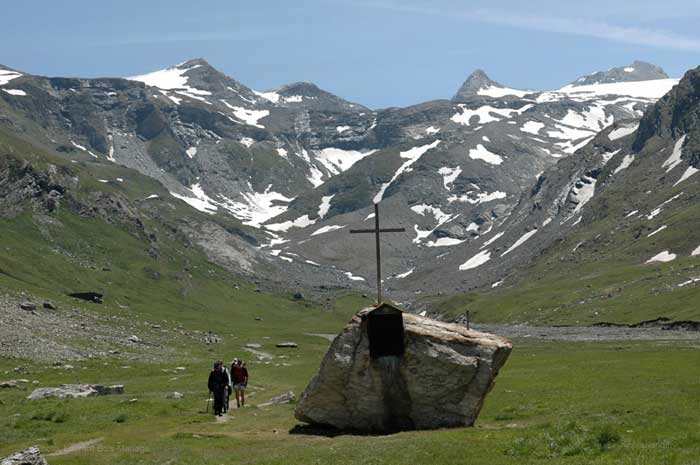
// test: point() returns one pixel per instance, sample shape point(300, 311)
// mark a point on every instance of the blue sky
point(376, 52)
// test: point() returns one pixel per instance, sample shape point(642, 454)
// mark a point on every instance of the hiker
point(228, 385)
point(227, 393)
point(239, 373)
point(218, 381)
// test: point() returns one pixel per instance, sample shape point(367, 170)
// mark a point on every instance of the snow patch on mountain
point(532, 127)
point(445, 242)
point(249, 117)
point(688, 173)
point(256, 208)
point(482, 153)
point(477, 198)
point(173, 79)
point(624, 164)
point(325, 205)
point(498, 92)
point(654, 89)
point(622, 131)
point(301, 222)
point(520, 242)
point(449, 175)
point(326, 229)
point(338, 160)
point(663, 257)
point(657, 231)
point(411, 156)
point(675, 158)
point(476, 261)
point(199, 200)
point(485, 114)
point(7, 75)
point(15, 92)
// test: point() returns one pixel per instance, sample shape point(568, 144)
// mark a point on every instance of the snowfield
point(411, 156)
point(338, 160)
point(675, 158)
point(520, 242)
point(663, 257)
point(476, 261)
point(6, 76)
point(481, 153)
point(622, 131)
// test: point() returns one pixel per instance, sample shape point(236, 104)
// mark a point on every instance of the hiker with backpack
point(218, 380)
point(239, 375)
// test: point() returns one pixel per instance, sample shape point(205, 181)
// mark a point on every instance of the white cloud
point(657, 38)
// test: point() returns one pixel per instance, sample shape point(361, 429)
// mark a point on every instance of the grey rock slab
point(27, 306)
point(75, 391)
point(30, 456)
point(287, 345)
point(285, 398)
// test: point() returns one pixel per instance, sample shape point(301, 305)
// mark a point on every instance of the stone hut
point(390, 371)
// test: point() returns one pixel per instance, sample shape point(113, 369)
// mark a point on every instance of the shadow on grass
point(332, 432)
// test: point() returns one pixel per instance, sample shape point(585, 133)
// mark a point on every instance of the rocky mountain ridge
point(299, 166)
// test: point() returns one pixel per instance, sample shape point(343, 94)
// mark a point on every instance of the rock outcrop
point(440, 380)
point(30, 456)
point(76, 391)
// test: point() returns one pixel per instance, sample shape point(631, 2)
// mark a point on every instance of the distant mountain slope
point(615, 231)
point(296, 167)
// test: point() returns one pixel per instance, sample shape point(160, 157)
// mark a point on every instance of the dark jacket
point(217, 380)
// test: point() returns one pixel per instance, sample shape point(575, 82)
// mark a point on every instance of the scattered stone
point(174, 395)
point(94, 297)
point(389, 371)
point(75, 391)
point(8, 384)
point(287, 345)
point(134, 338)
point(49, 306)
point(298, 296)
point(180, 368)
point(286, 398)
point(27, 306)
point(253, 345)
point(31, 456)
point(131, 401)
point(257, 318)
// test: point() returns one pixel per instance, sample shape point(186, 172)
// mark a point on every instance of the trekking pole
point(208, 400)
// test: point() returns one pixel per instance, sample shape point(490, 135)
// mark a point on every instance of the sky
point(379, 53)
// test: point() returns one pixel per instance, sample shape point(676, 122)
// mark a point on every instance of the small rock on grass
point(174, 395)
point(30, 456)
point(287, 345)
point(27, 306)
point(285, 398)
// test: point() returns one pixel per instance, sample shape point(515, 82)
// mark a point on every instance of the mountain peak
point(637, 71)
point(476, 81)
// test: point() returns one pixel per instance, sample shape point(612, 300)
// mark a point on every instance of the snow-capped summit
point(479, 84)
point(308, 95)
point(637, 71)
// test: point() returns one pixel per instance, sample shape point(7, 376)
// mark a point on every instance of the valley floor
point(555, 401)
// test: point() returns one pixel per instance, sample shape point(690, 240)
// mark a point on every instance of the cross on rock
point(377, 231)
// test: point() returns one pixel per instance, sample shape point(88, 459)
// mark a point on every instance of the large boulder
point(30, 456)
point(440, 379)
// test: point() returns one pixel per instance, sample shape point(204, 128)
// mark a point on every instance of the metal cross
point(376, 231)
